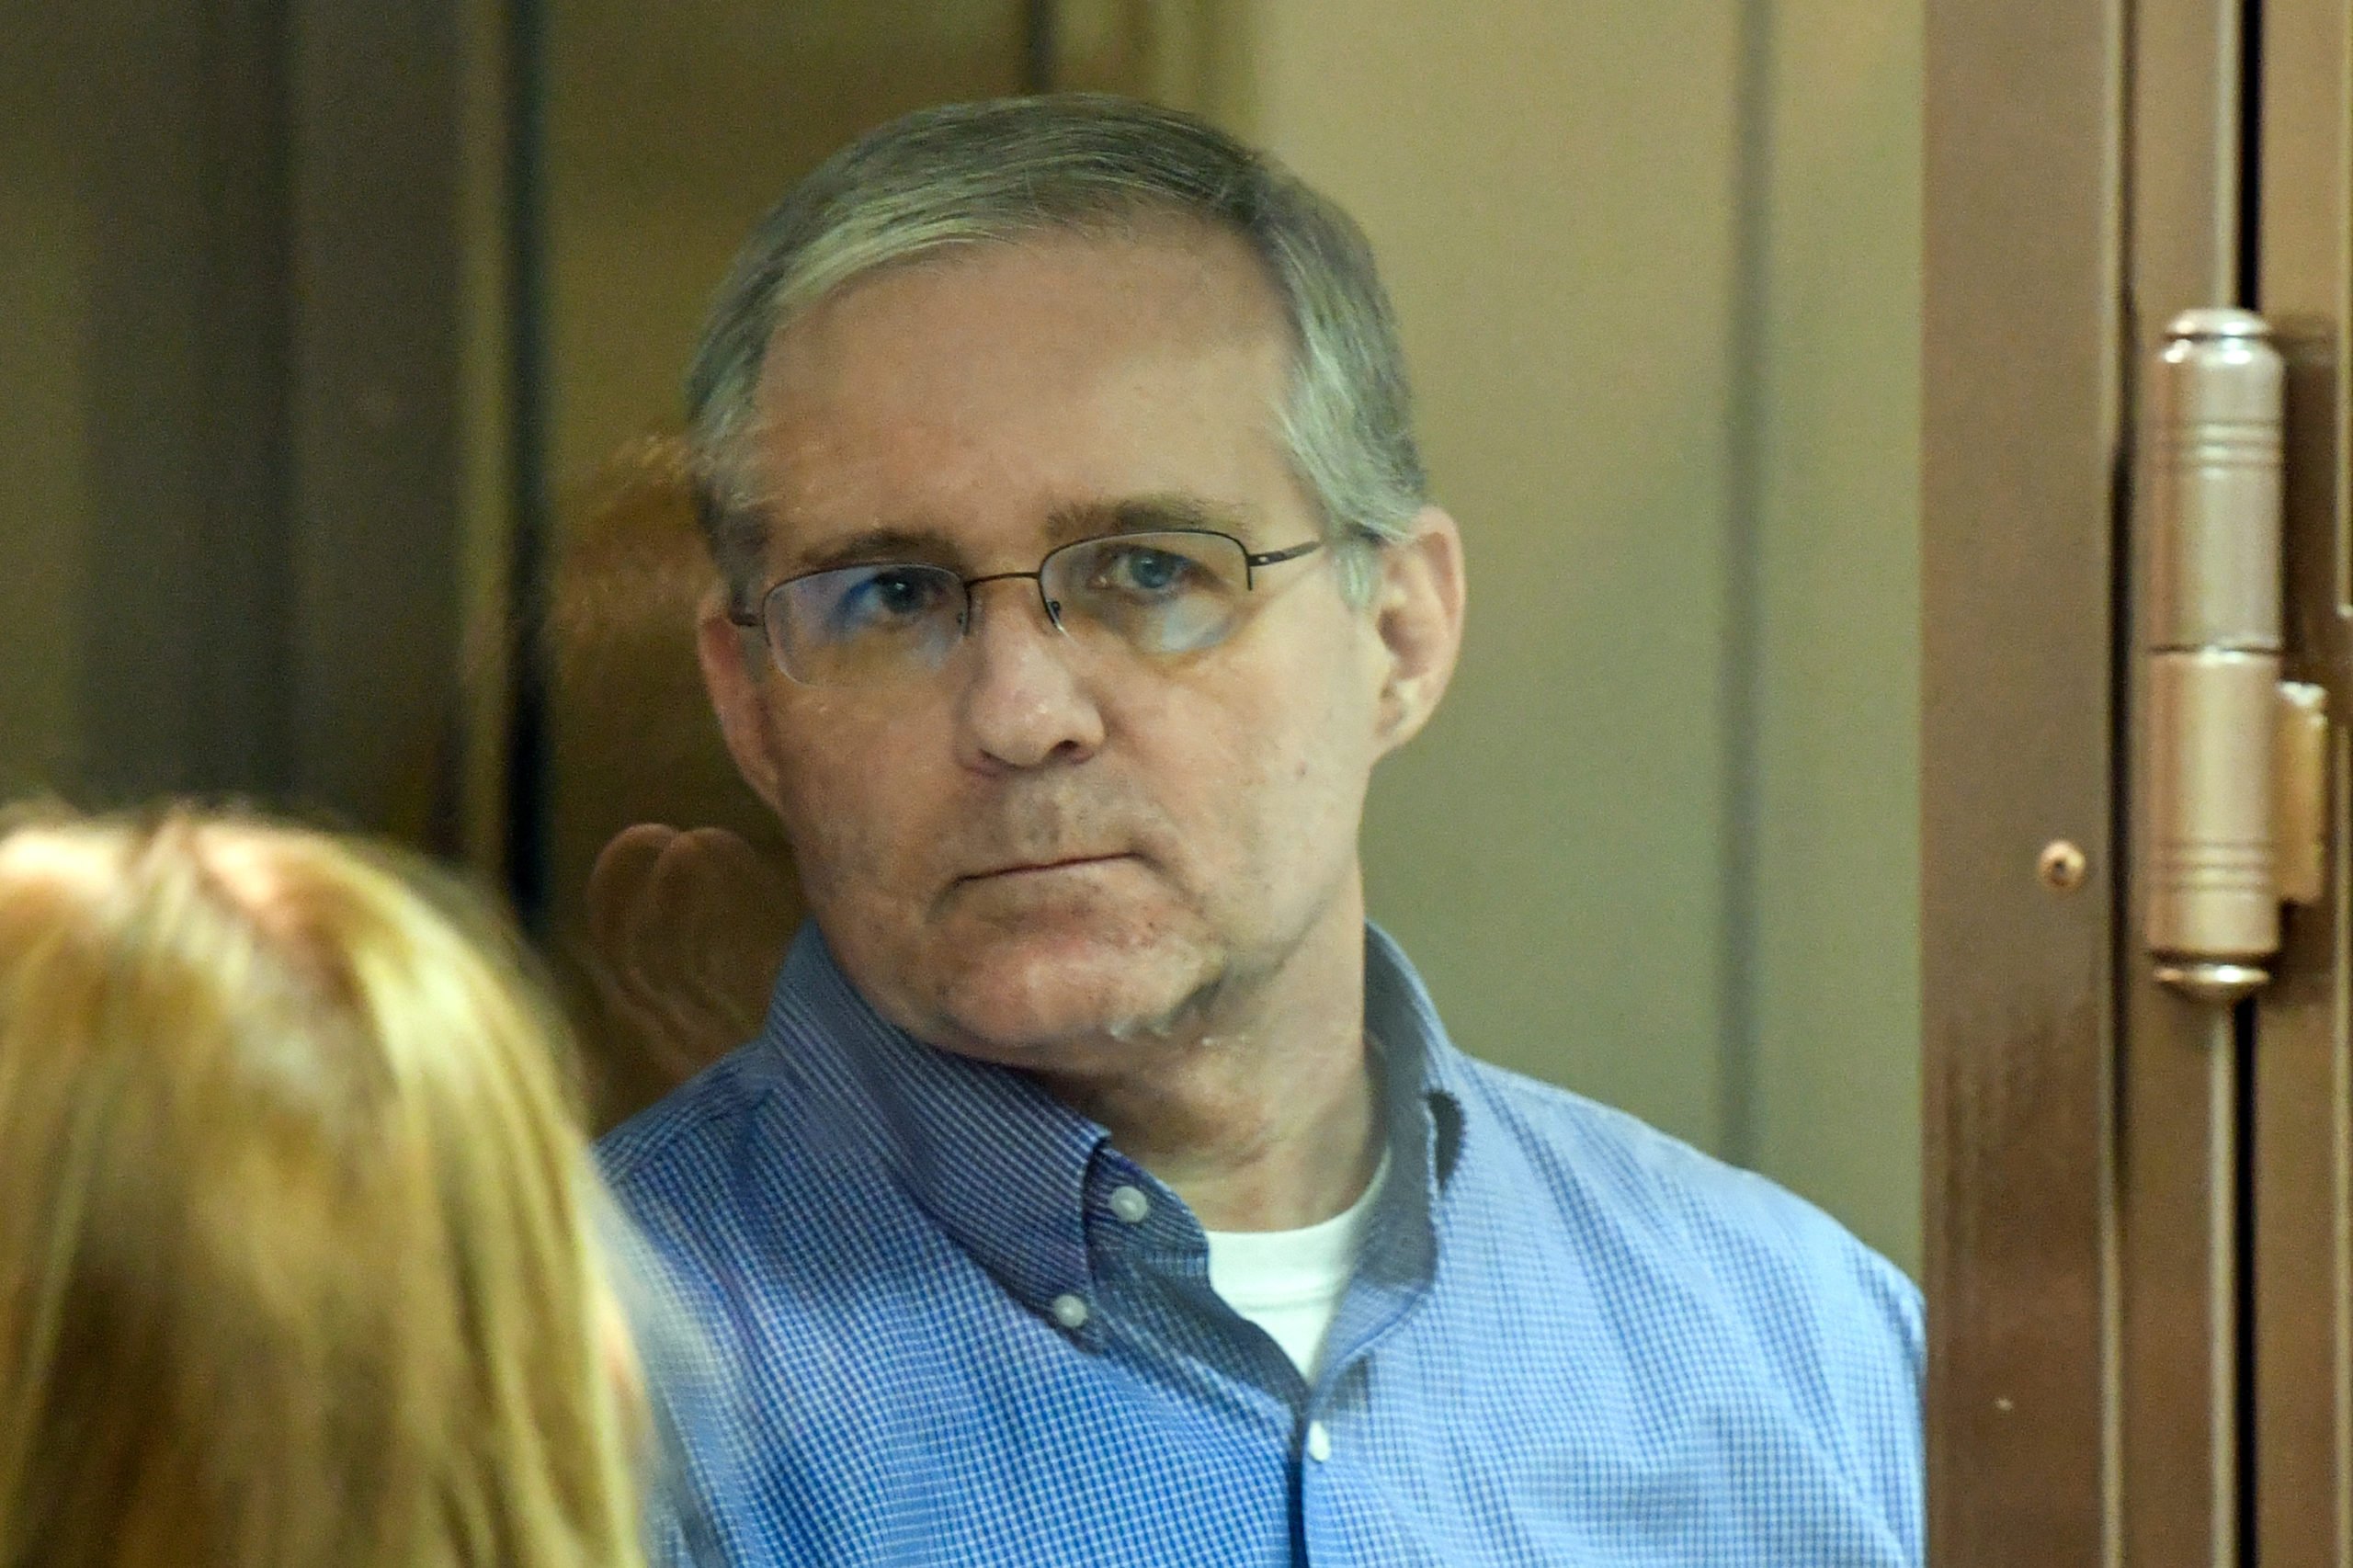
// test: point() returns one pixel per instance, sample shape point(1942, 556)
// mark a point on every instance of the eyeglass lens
point(1159, 594)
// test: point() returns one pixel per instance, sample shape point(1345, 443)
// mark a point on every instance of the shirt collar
point(1414, 1051)
point(1004, 1168)
point(994, 1160)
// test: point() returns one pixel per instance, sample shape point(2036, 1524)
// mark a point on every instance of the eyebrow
point(1075, 520)
point(876, 546)
point(1146, 513)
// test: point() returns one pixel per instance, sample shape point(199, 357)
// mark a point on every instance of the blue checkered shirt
point(1569, 1340)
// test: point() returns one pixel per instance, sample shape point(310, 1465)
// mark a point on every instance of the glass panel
point(1656, 268)
point(1667, 382)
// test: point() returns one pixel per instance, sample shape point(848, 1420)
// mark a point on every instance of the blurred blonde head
point(299, 1241)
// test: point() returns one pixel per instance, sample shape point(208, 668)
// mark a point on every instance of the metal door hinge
point(2233, 758)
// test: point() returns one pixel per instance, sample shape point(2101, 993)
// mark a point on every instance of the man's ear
point(738, 691)
point(1417, 611)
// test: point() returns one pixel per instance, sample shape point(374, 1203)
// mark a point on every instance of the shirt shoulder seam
point(689, 1111)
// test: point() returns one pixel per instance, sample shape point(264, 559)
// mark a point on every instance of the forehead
point(1006, 381)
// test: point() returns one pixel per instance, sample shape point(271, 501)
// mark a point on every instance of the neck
point(1264, 1116)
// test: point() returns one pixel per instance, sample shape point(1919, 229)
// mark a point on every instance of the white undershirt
point(1289, 1282)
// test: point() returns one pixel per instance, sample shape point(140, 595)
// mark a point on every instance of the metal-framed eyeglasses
point(1163, 594)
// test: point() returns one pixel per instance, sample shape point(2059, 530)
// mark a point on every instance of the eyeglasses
point(1163, 594)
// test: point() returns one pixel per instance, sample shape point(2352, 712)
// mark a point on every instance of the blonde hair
point(299, 1261)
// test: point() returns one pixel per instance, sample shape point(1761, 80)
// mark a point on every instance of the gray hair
point(997, 172)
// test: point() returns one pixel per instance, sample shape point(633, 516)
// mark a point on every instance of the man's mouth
point(1019, 869)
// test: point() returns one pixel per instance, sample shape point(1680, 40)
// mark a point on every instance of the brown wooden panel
point(2177, 1144)
point(2301, 1471)
point(2020, 407)
point(184, 667)
point(2177, 1277)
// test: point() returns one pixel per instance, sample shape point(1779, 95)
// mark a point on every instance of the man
point(1102, 1187)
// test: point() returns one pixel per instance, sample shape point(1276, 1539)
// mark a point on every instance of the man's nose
point(1023, 703)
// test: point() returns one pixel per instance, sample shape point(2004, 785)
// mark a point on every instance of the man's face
point(1052, 842)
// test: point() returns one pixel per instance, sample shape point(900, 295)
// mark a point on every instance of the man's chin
point(1017, 999)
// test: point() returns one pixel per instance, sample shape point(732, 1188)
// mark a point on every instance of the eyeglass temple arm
point(1275, 557)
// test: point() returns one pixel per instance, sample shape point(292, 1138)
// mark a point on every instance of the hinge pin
point(2230, 821)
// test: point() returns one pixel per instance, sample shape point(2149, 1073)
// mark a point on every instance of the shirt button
point(1070, 1311)
point(1319, 1441)
point(1129, 1204)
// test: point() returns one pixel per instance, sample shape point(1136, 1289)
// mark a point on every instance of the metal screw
point(2062, 866)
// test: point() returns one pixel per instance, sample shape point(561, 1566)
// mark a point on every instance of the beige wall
point(1837, 997)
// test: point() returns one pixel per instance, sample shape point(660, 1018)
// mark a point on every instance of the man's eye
point(1147, 573)
point(886, 597)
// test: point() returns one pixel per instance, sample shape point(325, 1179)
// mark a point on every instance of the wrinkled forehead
point(1168, 285)
point(1139, 359)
